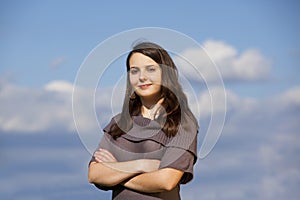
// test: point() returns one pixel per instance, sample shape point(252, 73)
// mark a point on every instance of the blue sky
point(40, 32)
point(255, 44)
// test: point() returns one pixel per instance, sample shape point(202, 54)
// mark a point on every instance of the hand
point(149, 165)
point(102, 155)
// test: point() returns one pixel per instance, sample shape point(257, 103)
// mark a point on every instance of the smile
point(145, 86)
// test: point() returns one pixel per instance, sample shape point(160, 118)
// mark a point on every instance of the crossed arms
point(142, 175)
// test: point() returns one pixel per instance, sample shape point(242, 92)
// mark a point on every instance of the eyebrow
point(151, 65)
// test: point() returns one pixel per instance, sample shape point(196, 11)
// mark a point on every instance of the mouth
point(144, 86)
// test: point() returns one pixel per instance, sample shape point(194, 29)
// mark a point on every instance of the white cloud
point(256, 156)
point(36, 109)
point(59, 86)
point(219, 99)
point(217, 56)
point(291, 96)
point(279, 156)
point(31, 110)
point(250, 65)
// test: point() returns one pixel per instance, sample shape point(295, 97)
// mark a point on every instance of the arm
point(113, 173)
point(157, 181)
point(106, 171)
point(172, 171)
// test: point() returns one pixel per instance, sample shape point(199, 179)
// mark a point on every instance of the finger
point(100, 156)
point(97, 154)
point(107, 153)
point(98, 160)
point(110, 156)
point(105, 157)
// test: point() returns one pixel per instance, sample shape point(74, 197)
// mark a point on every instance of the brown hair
point(175, 102)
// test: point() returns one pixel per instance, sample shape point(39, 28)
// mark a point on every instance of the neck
point(151, 109)
point(150, 102)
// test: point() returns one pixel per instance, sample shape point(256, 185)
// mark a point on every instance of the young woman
point(149, 149)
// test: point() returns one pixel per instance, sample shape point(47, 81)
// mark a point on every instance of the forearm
point(111, 174)
point(107, 171)
point(156, 181)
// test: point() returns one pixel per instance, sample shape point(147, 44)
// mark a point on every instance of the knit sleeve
point(105, 143)
point(181, 152)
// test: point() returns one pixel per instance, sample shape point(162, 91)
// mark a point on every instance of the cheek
point(157, 79)
point(133, 80)
point(157, 88)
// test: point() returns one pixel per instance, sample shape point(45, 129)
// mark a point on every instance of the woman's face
point(145, 76)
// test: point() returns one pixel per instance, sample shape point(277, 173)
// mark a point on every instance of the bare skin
point(142, 175)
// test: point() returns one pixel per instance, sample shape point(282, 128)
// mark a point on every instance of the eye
point(151, 69)
point(133, 70)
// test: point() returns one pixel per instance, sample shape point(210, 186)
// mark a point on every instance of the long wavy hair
point(175, 104)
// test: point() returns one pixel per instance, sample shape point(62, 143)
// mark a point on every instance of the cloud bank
point(200, 64)
point(39, 109)
point(255, 158)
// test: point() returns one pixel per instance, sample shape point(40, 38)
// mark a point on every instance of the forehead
point(140, 60)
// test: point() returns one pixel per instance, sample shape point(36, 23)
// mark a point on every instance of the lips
point(144, 86)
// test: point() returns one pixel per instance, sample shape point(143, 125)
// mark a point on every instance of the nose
point(143, 76)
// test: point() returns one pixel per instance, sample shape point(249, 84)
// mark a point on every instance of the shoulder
point(188, 124)
point(186, 137)
point(114, 120)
